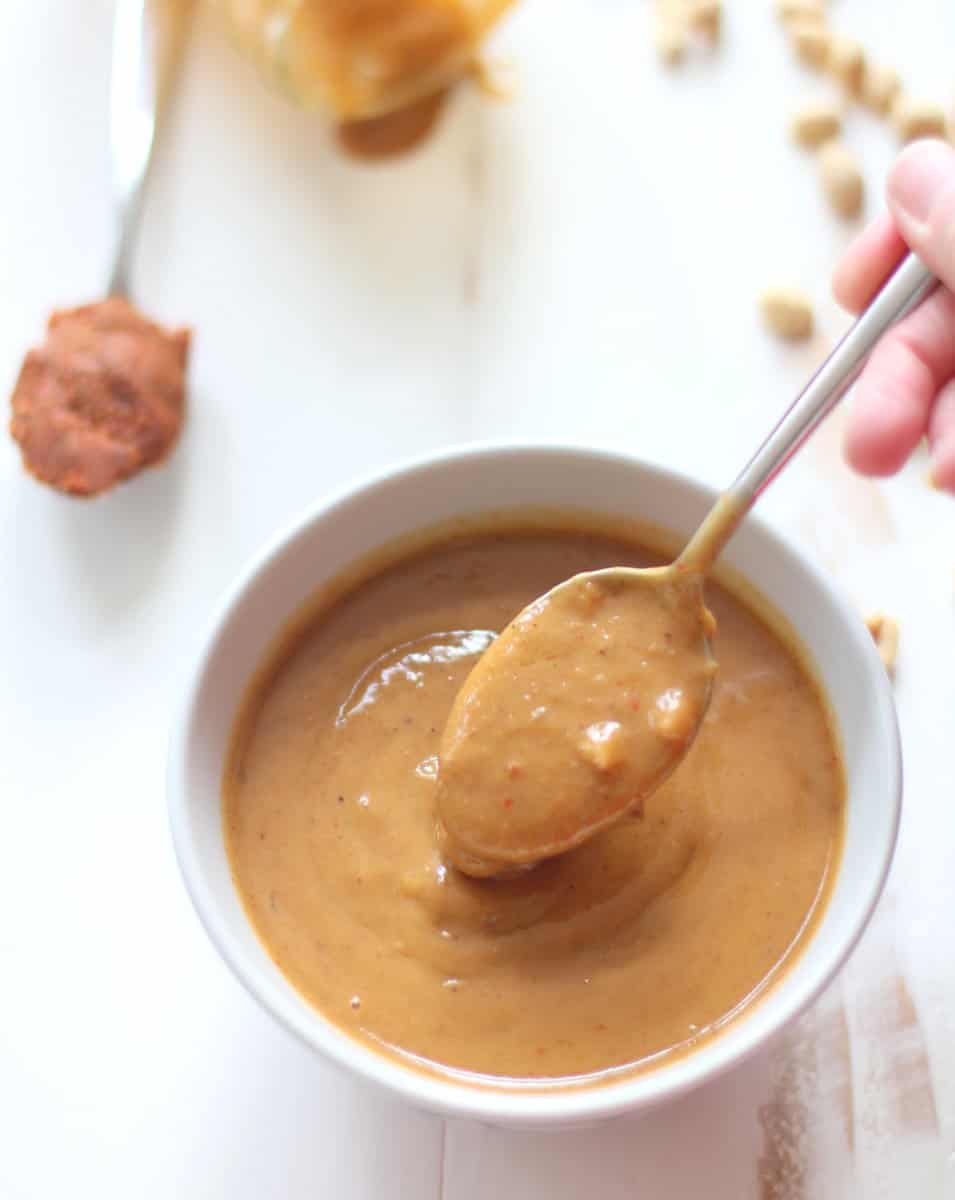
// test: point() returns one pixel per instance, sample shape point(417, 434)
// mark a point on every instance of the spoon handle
point(147, 39)
point(906, 287)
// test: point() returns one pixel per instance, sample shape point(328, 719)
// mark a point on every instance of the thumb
point(921, 194)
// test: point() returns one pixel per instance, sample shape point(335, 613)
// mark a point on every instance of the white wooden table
point(578, 264)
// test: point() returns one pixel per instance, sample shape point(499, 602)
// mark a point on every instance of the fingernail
point(921, 173)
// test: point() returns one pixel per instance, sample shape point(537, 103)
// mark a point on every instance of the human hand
point(907, 389)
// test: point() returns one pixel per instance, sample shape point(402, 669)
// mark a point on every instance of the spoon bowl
point(579, 710)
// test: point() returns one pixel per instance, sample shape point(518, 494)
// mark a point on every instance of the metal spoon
point(148, 36)
point(103, 397)
point(595, 692)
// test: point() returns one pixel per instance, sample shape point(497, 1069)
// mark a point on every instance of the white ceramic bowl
point(465, 482)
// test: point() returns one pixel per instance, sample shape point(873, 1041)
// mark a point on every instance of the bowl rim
point(446, 1095)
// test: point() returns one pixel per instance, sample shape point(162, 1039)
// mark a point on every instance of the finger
point(867, 263)
point(894, 396)
point(921, 195)
point(941, 438)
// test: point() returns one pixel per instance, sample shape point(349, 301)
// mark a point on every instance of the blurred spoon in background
point(104, 395)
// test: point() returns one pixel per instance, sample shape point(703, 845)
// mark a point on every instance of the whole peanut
point(815, 122)
point(846, 61)
point(811, 41)
point(914, 118)
point(880, 86)
point(787, 312)
point(789, 10)
point(706, 17)
point(671, 31)
point(841, 179)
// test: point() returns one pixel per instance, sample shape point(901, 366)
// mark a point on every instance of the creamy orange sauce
point(639, 943)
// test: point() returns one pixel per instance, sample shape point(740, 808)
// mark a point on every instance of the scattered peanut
point(880, 86)
point(885, 634)
point(841, 179)
point(811, 40)
point(914, 118)
point(816, 122)
point(671, 32)
point(846, 61)
point(671, 43)
point(705, 16)
point(789, 10)
point(787, 312)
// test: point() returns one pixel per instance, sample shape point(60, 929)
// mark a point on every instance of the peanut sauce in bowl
point(303, 788)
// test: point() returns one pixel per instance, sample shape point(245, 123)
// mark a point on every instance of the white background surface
point(579, 263)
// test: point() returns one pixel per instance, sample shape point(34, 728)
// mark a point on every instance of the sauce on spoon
point(581, 708)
